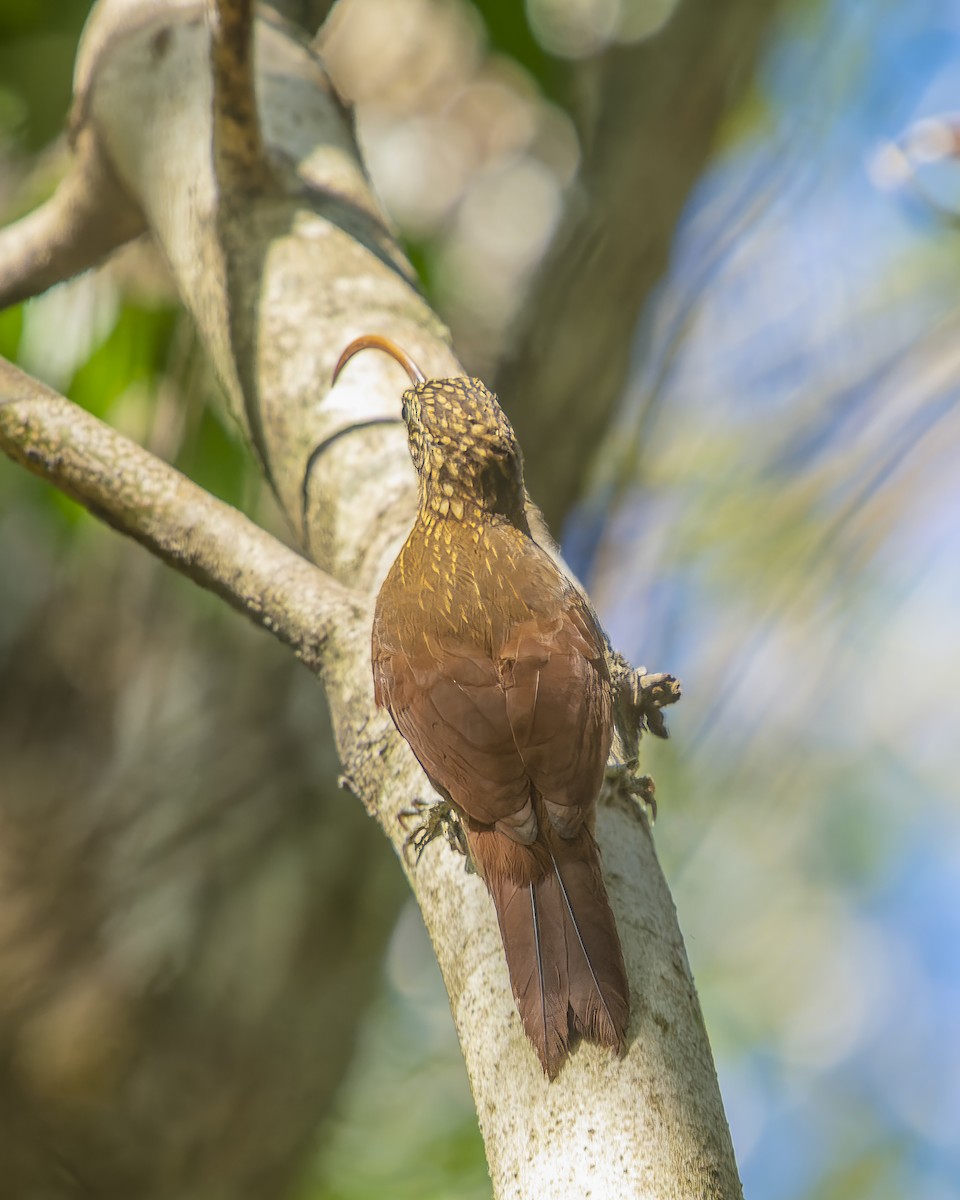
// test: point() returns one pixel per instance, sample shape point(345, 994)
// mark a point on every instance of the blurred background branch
point(86, 218)
point(650, 115)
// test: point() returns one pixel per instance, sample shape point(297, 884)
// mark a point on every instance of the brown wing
point(447, 701)
point(484, 731)
point(557, 692)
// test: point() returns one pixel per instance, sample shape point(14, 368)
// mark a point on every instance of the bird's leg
point(638, 700)
point(434, 819)
point(640, 791)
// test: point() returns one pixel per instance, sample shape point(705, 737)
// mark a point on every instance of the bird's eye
point(405, 411)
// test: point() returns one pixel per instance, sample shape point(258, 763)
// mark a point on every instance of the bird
point(491, 664)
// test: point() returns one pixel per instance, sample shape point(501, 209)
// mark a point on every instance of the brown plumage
point(491, 665)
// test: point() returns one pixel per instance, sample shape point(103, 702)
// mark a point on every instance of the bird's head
point(464, 448)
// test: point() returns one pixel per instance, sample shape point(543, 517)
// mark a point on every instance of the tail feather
point(536, 960)
point(599, 995)
point(562, 950)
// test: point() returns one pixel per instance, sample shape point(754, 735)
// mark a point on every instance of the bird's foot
point(624, 779)
point(434, 819)
point(639, 697)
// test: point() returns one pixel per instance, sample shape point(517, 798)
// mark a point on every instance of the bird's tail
point(560, 939)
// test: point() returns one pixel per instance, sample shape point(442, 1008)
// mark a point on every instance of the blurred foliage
point(38, 40)
point(406, 1126)
point(774, 519)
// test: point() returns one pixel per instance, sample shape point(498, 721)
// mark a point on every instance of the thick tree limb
point(150, 501)
point(658, 106)
point(278, 281)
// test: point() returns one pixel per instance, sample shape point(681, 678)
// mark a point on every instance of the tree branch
point(87, 217)
point(150, 501)
point(658, 108)
point(279, 281)
point(239, 156)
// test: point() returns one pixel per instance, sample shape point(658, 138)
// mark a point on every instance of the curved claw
point(639, 790)
point(435, 819)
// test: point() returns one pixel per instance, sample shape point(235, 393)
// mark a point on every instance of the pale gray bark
point(279, 277)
